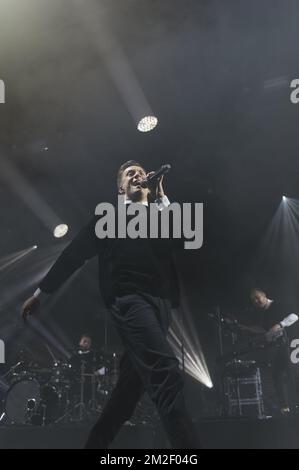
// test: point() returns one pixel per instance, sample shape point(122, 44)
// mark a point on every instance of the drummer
point(85, 354)
point(85, 344)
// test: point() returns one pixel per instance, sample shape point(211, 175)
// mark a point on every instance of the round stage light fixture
point(147, 123)
point(60, 231)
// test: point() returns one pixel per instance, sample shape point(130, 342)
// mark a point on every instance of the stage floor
point(215, 434)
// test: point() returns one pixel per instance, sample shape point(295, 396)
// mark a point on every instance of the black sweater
point(126, 266)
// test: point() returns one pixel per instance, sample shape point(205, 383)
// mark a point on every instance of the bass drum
point(28, 403)
point(22, 400)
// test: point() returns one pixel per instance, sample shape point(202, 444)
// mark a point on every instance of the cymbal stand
point(81, 406)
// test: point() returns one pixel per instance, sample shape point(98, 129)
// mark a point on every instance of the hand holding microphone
point(154, 176)
point(154, 180)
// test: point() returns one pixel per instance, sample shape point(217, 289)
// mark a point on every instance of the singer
point(139, 285)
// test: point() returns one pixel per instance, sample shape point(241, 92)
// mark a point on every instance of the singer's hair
point(123, 167)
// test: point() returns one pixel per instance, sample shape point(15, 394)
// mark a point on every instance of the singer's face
point(131, 183)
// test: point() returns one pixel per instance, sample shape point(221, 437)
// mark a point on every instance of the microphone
point(151, 179)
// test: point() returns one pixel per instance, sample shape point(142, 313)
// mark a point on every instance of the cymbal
point(39, 370)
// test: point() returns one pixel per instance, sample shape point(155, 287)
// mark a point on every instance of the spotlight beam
point(193, 360)
point(15, 258)
point(121, 72)
point(21, 186)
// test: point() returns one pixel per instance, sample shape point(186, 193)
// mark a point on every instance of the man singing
point(139, 285)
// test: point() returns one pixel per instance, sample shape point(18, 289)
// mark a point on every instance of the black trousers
point(150, 365)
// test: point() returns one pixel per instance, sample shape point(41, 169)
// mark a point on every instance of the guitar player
point(268, 318)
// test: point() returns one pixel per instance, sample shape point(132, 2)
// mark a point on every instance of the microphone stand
point(106, 333)
point(222, 410)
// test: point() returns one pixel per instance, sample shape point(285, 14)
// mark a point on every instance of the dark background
point(217, 75)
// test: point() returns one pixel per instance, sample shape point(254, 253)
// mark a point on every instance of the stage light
point(284, 198)
point(6, 262)
point(191, 359)
point(60, 231)
point(147, 124)
point(186, 346)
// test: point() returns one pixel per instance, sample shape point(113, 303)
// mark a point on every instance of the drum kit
point(71, 391)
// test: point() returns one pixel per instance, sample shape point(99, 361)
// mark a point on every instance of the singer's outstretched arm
point(83, 247)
